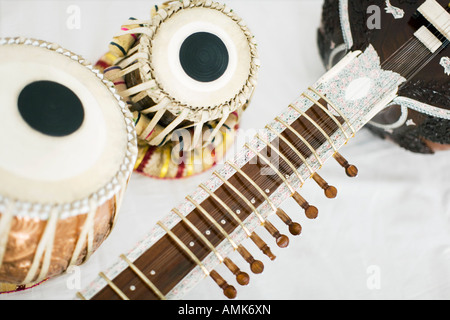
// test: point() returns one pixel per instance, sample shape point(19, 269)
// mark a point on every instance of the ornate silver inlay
point(333, 85)
point(397, 13)
point(445, 63)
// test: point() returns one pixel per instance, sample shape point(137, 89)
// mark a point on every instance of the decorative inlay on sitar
point(240, 199)
point(415, 118)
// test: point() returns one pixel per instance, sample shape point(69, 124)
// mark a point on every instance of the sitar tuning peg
point(311, 211)
point(281, 240)
point(228, 290)
point(262, 246)
point(350, 169)
point(256, 266)
point(241, 277)
point(294, 228)
point(330, 191)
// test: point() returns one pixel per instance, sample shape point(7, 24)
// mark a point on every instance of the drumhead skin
point(190, 71)
point(68, 148)
point(221, 39)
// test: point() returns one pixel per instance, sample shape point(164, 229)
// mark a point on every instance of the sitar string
point(414, 71)
point(313, 133)
point(266, 184)
point(310, 135)
point(400, 57)
point(158, 264)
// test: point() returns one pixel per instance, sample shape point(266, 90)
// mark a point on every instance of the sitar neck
point(239, 199)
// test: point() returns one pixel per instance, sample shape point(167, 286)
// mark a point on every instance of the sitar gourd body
point(418, 119)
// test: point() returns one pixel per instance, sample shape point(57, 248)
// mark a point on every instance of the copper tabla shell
point(19, 249)
point(24, 239)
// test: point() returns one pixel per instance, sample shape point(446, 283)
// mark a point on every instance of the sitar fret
point(143, 277)
point(228, 290)
point(165, 264)
point(324, 100)
point(171, 259)
point(310, 211)
point(255, 265)
point(294, 228)
point(283, 157)
point(213, 221)
point(113, 287)
point(328, 112)
point(302, 139)
point(282, 240)
point(302, 143)
point(199, 235)
point(241, 277)
point(318, 127)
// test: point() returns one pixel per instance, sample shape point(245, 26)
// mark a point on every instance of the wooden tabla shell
point(59, 215)
point(147, 71)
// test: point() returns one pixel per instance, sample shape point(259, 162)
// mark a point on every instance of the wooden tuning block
point(330, 191)
point(311, 211)
point(294, 228)
point(228, 290)
point(350, 170)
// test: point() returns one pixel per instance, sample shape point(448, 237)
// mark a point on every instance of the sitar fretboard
point(189, 243)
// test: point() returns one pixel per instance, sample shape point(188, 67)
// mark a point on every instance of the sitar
point(239, 200)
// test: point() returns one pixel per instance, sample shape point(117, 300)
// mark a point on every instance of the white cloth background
point(391, 224)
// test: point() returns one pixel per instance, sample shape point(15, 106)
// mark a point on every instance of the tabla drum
point(68, 147)
point(189, 73)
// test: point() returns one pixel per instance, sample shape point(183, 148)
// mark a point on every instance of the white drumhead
point(173, 78)
point(38, 167)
